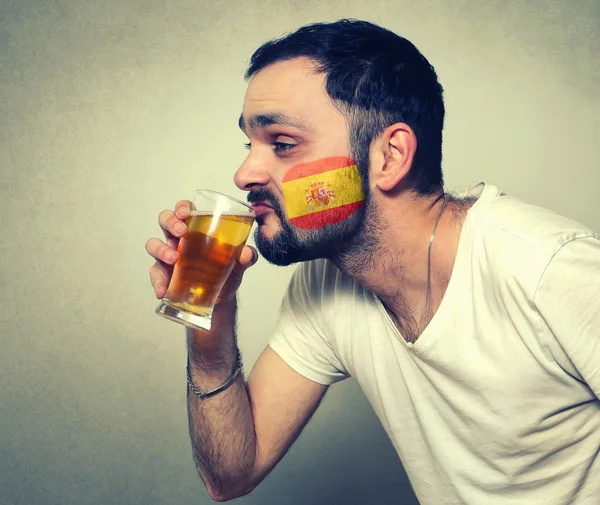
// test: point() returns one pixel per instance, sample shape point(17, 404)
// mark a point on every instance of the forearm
point(221, 426)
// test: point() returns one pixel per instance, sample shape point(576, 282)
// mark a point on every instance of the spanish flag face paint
point(322, 192)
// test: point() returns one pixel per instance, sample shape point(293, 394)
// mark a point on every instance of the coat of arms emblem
point(319, 195)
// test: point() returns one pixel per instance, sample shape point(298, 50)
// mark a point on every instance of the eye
point(247, 145)
point(280, 147)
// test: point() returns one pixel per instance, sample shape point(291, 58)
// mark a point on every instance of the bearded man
point(471, 321)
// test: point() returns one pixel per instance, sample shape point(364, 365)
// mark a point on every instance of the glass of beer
point(217, 230)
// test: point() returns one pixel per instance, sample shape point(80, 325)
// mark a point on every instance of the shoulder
point(319, 280)
point(304, 336)
point(506, 221)
point(512, 241)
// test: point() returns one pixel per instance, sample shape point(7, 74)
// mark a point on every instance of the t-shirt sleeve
point(301, 338)
point(568, 299)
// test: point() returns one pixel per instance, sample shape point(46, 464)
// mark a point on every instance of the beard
point(351, 243)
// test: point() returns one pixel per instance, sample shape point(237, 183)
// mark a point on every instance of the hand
point(165, 253)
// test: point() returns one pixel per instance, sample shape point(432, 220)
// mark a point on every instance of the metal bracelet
point(237, 368)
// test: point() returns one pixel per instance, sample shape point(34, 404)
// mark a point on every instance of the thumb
point(248, 257)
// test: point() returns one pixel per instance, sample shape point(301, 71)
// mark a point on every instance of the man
point(471, 322)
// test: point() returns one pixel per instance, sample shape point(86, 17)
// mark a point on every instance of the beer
point(217, 230)
point(207, 255)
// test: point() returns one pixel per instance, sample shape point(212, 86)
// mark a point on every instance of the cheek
point(322, 192)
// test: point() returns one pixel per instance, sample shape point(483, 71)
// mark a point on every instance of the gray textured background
point(113, 110)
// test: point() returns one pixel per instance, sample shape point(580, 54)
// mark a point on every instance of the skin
point(240, 434)
point(292, 89)
point(321, 130)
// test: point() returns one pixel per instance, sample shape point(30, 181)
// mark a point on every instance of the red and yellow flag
point(322, 192)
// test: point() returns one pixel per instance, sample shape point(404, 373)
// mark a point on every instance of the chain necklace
point(428, 288)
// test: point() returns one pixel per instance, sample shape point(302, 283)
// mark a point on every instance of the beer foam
point(229, 228)
point(240, 213)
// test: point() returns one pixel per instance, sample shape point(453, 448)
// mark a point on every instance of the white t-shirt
point(497, 401)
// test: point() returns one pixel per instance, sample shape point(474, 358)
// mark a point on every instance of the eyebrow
point(270, 118)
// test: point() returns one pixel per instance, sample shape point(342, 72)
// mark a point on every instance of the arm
point(240, 434)
point(568, 299)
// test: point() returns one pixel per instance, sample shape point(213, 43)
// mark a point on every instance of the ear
point(395, 150)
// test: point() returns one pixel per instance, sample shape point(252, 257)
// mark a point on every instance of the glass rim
point(246, 205)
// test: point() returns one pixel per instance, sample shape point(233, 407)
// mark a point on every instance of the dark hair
point(375, 78)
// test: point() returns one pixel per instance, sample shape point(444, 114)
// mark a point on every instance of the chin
point(277, 245)
point(268, 226)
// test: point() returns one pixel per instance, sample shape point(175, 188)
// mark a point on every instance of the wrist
point(225, 308)
point(218, 344)
point(213, 372)
point(210, 354)
point(211, 392)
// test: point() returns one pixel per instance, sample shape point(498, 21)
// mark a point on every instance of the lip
point(261, 208)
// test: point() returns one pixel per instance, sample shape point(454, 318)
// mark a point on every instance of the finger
point(248, 257)
point(172, 226)
point(161, 251)
point(183, 209)
point(160, 277)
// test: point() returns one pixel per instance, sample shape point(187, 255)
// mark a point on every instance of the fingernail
point(172, 256)
point(180, 228)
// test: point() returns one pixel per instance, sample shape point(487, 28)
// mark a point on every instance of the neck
point(390, 255)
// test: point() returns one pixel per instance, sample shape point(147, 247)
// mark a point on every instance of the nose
point(251, 174)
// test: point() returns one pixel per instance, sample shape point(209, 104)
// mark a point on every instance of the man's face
point(290, 120)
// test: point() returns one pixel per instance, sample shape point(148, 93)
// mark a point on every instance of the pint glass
point(217, 230)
